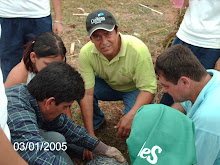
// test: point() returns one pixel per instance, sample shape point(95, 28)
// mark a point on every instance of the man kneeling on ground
point(41, 105)
point(115, 67)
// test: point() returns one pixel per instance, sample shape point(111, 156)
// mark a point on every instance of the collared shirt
point(130, 70)
point(205, 113)
point(25, 119)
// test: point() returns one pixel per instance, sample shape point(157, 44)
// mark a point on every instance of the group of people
point(41, 88)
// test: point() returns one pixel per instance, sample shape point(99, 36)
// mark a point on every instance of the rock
point(103, 160)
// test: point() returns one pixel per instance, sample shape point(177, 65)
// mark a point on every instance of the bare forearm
point(57, 9)
point(86, 105)
point(124, 125)
point(143, 98)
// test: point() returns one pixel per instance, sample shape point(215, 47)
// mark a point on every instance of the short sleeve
point(86, 70)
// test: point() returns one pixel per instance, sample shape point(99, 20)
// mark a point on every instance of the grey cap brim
point(106, 27)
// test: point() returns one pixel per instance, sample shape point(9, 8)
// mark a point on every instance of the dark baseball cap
point(100, 19)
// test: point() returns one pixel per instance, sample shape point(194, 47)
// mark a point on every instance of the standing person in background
point(200, 31)
point(20, 21)
point(114, 67)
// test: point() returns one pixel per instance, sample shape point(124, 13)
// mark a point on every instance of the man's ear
point(117, 29)
point(33, 57)
point(91, 39)
point(184, 81)
point(49, 103)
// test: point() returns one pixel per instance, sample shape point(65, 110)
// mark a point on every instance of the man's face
point(177, 92)
point(52, 110)
point(108, 43)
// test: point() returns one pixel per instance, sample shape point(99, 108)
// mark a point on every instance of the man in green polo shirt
point(114, 67)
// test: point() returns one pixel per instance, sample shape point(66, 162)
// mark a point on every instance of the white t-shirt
point(201, 24)
point(3, 108)
point(24, 8)
point(31, 75)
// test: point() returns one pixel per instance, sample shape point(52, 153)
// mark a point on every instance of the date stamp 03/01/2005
point(40, 146)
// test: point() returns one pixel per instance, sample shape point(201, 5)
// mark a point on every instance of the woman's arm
point(17, 75)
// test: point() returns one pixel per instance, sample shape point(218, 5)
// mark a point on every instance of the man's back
point(21, 107)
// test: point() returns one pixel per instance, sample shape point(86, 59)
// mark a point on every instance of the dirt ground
point(133, 19)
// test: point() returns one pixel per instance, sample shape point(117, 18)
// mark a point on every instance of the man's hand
point(58, 29)
point(217, 65)
point(113, 152)
point(87, 155)
point(124, 125)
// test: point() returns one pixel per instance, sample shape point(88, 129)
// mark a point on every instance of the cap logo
point(100, 14)
point(98, 19)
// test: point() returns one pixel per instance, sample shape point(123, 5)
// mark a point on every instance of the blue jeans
point(207, 57)
point(15, 33)
point(104, 92)
point(55, 137)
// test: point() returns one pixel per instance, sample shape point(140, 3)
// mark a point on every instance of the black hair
point(58, 80)
point(46, 44)
point(178, 61)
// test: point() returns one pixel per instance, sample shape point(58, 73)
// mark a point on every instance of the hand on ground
point(87, 155)
point(113, 152)
point(124, 125)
